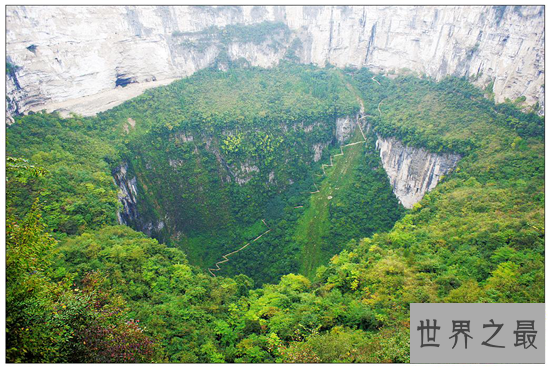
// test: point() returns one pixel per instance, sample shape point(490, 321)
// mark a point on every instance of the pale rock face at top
point(78, 58)
point(89, 59)
point(413, 171)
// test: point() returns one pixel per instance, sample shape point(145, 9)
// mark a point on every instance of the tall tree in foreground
point(48, 321)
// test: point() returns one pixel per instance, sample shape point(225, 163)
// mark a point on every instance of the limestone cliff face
point(500, 44)
point(127, 195)
point(63, 54)
point(87, 59)
point(128, 198)
point(413, 171)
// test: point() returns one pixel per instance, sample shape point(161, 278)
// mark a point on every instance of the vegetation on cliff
point(93, 287)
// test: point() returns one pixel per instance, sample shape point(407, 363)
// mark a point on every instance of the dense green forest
point(212, 156)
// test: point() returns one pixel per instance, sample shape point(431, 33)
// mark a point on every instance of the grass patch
point(314, 226)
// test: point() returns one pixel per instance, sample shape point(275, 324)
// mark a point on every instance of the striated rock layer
point(413, 171)
point(127, 194)
point(61, 54)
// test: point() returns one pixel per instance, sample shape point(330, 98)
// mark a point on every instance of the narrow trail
point(342, 151)
point(225, 257)
point(375, 80)
point(316, 187)
point(361, 117)
point(311, 228)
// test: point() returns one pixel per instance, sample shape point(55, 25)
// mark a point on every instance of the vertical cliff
point(413, 171)
point(71, 58)
point(499, 44)
point(127, 195)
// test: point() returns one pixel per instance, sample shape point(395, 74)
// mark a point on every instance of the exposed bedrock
point(73, 58)
point(127, 194)
point(413, 171)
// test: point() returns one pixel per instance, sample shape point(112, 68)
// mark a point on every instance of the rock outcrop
point(127, 195)
point(73, 58)
point(128, 198)
point(344, 128)
point(413, 171)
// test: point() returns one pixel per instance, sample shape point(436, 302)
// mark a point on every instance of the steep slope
point(412, 171)
point(204, 163)
point(478, 236)
point(59, 55)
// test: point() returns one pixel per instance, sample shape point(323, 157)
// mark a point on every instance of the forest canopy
point(216, 153)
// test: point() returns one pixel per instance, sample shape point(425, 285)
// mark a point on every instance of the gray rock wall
point(413, 171)
point(127, 195)
point(73, 58)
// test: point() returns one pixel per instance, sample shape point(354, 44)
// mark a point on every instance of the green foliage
point(489, 91)
point(368, 189)
point(22, 170)
point(461, 233)
point(225, 144)
point(177, 302)
point(337, 213)
point(449, 116)
point(291, 55)
point(52, 322)
point(27, 292)
point(79, 192)
point(477, 237)
point(256, 33)
point(350, 346)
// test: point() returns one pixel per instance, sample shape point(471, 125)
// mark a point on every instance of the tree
point(48, 321)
